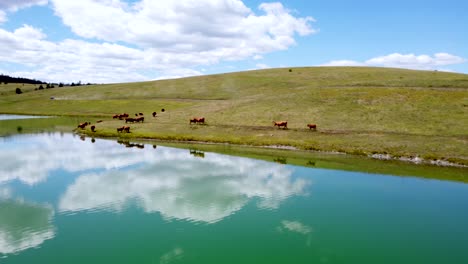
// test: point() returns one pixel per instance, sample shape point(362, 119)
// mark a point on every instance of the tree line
point(8, 79)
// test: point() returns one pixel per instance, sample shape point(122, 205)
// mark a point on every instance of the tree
point(60, 84)
point(40, 87)
point(18, 91)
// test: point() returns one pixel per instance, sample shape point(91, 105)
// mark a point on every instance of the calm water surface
point(68, 200)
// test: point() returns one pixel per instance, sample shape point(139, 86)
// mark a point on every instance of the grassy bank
point(357, 110)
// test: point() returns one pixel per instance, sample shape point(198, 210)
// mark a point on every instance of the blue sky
point(121, 41)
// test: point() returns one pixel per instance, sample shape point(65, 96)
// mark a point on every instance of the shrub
point(18, 91)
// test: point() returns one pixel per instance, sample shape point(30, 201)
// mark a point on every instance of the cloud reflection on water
point(24, 225)
point(182, 187)
point(167, 180)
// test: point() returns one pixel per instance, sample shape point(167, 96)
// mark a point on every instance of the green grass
point(357, 110)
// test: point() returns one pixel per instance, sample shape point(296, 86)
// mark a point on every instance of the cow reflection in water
point(280, 160)
point(197, 153)
point(131, 145)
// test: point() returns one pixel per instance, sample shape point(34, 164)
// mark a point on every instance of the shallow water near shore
point(70, 199)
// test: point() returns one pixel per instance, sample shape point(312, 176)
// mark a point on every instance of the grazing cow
point(83, 125)
point(123, 116)
point(163, 110)
point(280, 124)
point(120, 129)
point(310, 126)
point(126, 129)
point(197, 120)
point(154, 114)
point(140, 119)
point(130, 119)
point(99, 121)
point(115, 116)
point(136, 114)
point(140, 114)
point(93, 128)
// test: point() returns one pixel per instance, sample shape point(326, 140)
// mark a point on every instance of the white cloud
point(407, 61)
point(18, 4)
point(148, 39)
point(343, 63)
point(262, 66)
point(3, 17)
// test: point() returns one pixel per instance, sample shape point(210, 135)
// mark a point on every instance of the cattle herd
point(195, 120)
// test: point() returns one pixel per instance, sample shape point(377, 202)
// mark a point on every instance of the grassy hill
point(357, 110)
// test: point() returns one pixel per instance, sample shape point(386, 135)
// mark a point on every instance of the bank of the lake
point(69, 199)
point(380, 112)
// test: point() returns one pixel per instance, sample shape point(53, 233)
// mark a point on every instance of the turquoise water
point(65, 199)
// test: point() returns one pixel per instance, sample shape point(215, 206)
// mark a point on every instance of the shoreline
point(417, 160)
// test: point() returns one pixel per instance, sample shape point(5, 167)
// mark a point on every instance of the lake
point(69, 199)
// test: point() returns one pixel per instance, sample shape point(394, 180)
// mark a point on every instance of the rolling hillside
point(357, 109)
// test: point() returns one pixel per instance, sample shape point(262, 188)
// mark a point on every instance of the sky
point(111, 41)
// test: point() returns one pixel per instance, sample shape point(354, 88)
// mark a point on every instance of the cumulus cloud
point(416, 61)
point(149, 39)
point(343, 63)
point(2, 17)
point(262, 66)
point(13, 6)
point(407, 61)
point(18, 4)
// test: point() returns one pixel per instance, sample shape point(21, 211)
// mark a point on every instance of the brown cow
point(115, 116)
point(140, 113)
point(197, 120)
point(93, 128)
point(123, 116)
point(154, 114)
point(126, 129)
point(120, 129)
point(140, 119)
point(130, 119)
point(310, 126)
point(280, 124)
point(99, 121)
point(83, 125)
